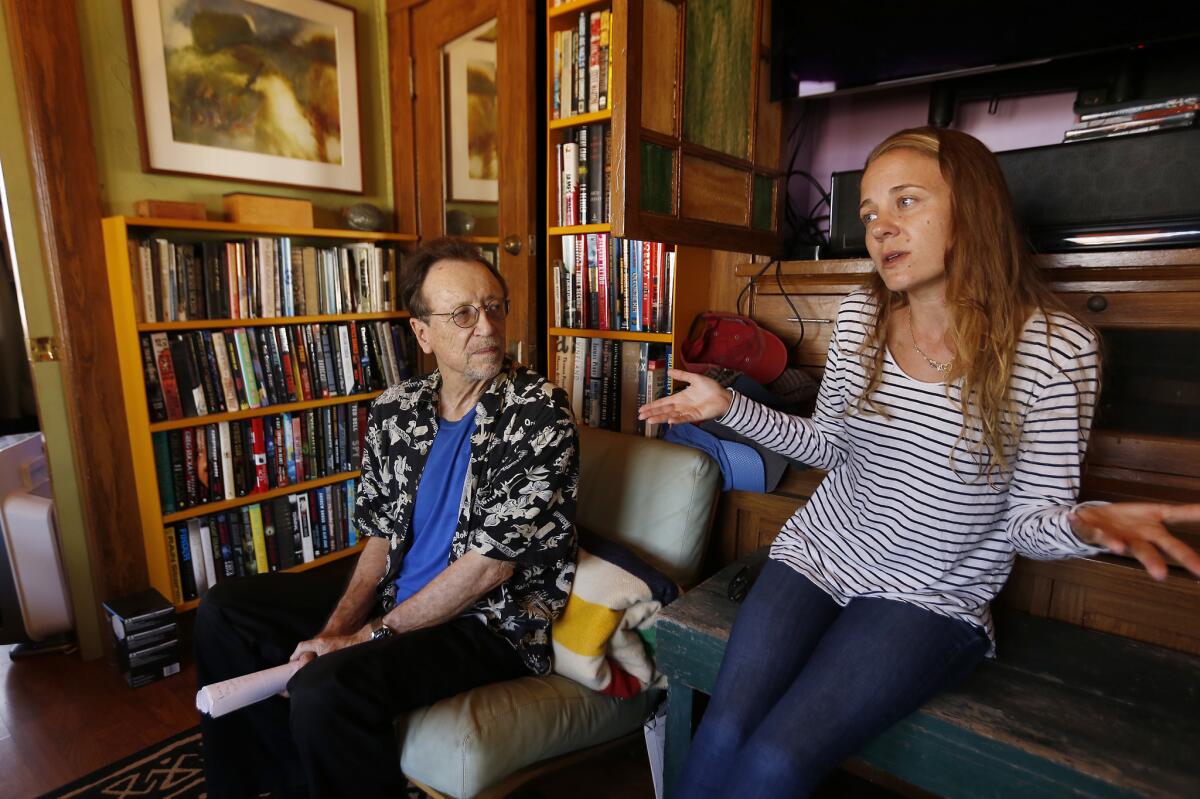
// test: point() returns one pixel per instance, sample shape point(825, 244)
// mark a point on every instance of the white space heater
point(35, 604)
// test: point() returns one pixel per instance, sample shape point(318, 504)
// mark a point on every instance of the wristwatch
point(379, 630)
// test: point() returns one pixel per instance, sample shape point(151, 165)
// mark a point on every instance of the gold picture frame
point(255, 90)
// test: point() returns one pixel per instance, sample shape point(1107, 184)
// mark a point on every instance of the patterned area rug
point(172, 769)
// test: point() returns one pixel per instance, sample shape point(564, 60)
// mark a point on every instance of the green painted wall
point(114, 126)
point(114, 121)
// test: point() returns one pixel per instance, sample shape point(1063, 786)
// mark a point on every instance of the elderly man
point(467, 505)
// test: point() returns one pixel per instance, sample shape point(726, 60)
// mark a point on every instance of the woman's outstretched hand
point(1138, 529)
point(703, 399)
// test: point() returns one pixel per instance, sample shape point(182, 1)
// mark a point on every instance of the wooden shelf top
point(250, 499)
point(572, 230)
point(581, 119)
point(261, 230)
point(221, 324)
point(265, 410)
point(619, 335)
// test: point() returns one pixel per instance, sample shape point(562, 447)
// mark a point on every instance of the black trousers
point(334, 737)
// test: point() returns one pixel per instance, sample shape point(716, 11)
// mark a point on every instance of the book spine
point(196, 547)
point(570, 175)
point(220, 351)
point(258, 534)
point(594, 62)
point(258, 449)
point(173, 565)
point(581, 65)
point(596, 174)
point(216, 403)
point(216, 471)
point(165, 364)
point(323, 519)
point(142, 263)
point(187, 573)
point(351, 530)
point(234, 520)
point(225, 444)
point(272, 544)
point(154, 392)
point(162, 467)
point(306, 533)
point(582, 181)
point(284, 547)
point(342, 332)
point(254, 395)
point(228, 564)
point(595, 387)
point(605, 65)
point(298, 447)
point(204, 533)
point(555, 92)
point(249, 556)
point(190, 483)
point(291, 365)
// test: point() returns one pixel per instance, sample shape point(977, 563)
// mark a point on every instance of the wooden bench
point(1063, 712)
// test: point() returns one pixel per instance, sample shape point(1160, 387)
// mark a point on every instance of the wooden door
point(440, 51)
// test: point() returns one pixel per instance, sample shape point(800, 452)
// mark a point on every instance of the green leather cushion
point(461, 745)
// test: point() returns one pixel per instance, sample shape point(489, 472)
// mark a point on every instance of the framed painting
point(257, 90)
point(472, 148)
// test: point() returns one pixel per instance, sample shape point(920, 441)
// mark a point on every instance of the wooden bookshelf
point(152, 521)
point(689, 291)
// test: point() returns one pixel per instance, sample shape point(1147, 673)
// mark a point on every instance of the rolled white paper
point(230, 695)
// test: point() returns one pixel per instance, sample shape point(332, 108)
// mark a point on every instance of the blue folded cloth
point(741, 466)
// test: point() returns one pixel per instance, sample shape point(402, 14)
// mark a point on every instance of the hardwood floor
point(61, 718)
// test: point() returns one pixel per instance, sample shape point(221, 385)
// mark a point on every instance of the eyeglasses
point(468, 315)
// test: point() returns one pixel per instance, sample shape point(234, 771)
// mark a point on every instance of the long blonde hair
point(992, 287)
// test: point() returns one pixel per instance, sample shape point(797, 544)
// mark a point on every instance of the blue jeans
point(806, 683)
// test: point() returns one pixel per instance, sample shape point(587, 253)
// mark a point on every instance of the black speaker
point(1127, 192)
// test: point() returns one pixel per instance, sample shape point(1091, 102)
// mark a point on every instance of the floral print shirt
point(518, 501)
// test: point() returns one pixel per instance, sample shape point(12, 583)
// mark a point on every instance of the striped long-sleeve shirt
point(905, 512)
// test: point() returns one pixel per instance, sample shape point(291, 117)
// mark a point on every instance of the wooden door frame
point(47, 60)
point(418, 164)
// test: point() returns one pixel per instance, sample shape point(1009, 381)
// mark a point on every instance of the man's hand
point(1138, 529)
point(324, 644)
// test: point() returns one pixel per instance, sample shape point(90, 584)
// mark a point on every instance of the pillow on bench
point(597, 640)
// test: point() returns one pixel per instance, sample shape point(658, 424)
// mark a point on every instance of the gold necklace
point(942, 367)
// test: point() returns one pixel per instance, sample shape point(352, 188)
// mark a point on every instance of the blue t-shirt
point(435, 510)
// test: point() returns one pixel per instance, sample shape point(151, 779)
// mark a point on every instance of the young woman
point(952, 419)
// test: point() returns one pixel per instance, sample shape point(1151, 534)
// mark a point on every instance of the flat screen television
point(837, 47)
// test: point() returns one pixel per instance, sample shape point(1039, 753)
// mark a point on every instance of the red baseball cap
point(734, 342)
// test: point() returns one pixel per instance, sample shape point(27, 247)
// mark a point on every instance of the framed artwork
point(472, 149)
point(257, 90)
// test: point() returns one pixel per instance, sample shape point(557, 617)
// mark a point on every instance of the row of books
point(584, 175)
point(259, 538)
point(582, 67)
point(198, 372)
point(607, 380)
point(606, 283)
point(226, 460)
point(260, 278)
point(1136, 117)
